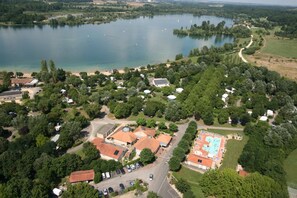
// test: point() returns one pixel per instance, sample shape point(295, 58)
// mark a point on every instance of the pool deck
point(201, 141)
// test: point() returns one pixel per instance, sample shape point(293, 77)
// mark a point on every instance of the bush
point(173, 127)
point(182, 186)
point(174, 163)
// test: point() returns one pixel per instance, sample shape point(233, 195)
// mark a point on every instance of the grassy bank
point(193, 178)
point(290, 166)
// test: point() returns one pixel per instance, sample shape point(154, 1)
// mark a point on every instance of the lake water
point(118, 44)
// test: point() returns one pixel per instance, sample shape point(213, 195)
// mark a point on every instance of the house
point(105, 130)
point(164, 140)
point(199, 161)
point(142, 131)
point(80, 176)
point(123, 137)
point(18, 82)
point(147, 142)
point(11, 95)
point(108, 151)
point(269, 113)
point(160, 82)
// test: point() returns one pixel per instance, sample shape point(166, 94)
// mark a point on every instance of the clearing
point(290, 166)
point(192, 177)
point(277, 54)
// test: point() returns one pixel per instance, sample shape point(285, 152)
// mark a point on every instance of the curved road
point(240, 52)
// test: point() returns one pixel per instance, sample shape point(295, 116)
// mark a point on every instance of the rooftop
point(10, 93)
point(105, 129)
point(146, 142)
point(160, 81)
point(106, 149)
point(147, 131)
point(124, 136)
point(162, 138)
point(79, 176)
point(200, 160)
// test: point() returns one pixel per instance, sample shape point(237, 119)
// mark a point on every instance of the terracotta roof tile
point(162, 138)
point(106, 149)
point(79, 176)
point(122, 136)
point(200, 160)
point(146, 131)
point(146, 142)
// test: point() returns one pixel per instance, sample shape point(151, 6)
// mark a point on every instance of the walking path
point(240, 52)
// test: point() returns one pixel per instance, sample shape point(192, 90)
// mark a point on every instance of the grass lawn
point(192, 177)
point(290, 166)
point(281, 47)
point(234, 150)
point(80, 153)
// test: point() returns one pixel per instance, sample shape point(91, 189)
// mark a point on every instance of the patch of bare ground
point(286, 67)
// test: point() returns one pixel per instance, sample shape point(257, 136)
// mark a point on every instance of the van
point(107, 175)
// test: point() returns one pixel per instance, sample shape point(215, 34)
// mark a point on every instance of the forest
point(37, 12)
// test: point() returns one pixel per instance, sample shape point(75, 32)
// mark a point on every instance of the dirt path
point(240, 51)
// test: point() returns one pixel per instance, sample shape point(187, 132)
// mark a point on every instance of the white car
point(151, 177)
point(107, 175)
point(103, 175)
point(105, 192)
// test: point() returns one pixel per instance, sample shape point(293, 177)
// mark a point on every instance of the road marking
point(161, 185)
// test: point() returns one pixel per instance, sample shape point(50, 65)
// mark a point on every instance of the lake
point(119, 44)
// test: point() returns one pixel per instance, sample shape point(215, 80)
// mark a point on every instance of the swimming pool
point(213, 147)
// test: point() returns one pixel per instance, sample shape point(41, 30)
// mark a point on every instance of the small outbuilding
point(147, 91)
point(179, 90)
point(263, 118)
point(57, 191)
point(171, 97)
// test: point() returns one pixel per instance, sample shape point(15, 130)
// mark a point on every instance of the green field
point(280, 47)
point(234, 148)
point(193, 178)
point(290, 166)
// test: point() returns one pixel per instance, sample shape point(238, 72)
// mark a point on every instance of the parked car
point(110, 190)
point(118, 171)
point(100, 193)
point(122, 186)
point(151, 177)
point(122, 171)
point(105, 192)
point(103, 176)
point(107, 175)
point(129, 169)
point(137, 165)
point(132, 166)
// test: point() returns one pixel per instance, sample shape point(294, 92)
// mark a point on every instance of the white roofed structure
point(171, 97)
point(179, 90)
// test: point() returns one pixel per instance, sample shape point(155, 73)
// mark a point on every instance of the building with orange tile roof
point(108, 151)
point(80, 176)
point(243, 173)
point(123, 137)
point(147, 142)
point(164, 140)
point(142, 131)
point(199, 161)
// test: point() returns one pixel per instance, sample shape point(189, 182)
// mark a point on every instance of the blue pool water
point(214, 145)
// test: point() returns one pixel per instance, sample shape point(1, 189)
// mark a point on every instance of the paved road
point(292, 192)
